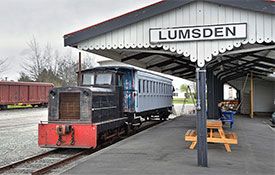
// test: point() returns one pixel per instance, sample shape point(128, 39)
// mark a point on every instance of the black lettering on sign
point(218, 32)
point(160, 36)
point(196, 33)
point(233, 32)
point(170, 35)
point(207, 32)
point(183, 35)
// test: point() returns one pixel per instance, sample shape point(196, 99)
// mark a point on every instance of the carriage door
point(129, 95)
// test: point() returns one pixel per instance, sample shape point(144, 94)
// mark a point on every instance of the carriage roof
point(116, 69)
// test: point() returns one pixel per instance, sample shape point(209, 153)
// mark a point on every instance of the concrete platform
point(162, 150)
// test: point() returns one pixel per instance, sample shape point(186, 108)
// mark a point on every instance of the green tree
point(49, 76)
point(24, 77)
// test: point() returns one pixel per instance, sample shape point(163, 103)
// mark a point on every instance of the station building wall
point(264, 94)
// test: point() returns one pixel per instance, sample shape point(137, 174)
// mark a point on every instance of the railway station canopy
point(228, 38)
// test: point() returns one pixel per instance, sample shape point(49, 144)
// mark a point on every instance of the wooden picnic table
point(216, 134)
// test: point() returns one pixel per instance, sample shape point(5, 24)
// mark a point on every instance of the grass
point(19, 106)
point(181, 101)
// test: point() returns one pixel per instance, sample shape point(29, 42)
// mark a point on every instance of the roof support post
point(211, 97)
point(220, 89)
point(214, 95)
point(251, 96)
point(201, 118)
point(79, 70)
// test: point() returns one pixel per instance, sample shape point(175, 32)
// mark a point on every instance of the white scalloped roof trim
point(193, 52)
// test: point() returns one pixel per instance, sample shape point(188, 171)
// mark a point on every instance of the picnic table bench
point(216, 134)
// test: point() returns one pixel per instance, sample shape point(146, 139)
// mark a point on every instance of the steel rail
point(58, 164)
point(29, 159)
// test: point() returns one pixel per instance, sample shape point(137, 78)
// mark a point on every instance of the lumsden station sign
point(198, 33)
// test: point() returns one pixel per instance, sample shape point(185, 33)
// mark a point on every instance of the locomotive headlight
point(52, 93)
point(86, 93)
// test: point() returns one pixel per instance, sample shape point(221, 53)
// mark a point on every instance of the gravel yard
point(18, 130)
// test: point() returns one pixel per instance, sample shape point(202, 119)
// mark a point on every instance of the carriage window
point(139, 86)
point(152, 84)
point(147, 87)
point(143, 85)
point(104, 79)
point(88, 79)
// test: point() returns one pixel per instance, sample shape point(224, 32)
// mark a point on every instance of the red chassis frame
point(84, 136)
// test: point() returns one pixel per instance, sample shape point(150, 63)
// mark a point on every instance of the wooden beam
point(239, 74)
point(173, 68)
point(236, 69)
point(160, 64)
point(137, 56)
point(222, 62)
point(264, 58)
point(255, 49)
point(183, 71)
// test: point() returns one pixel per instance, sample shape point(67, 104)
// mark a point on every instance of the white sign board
point(198, 33)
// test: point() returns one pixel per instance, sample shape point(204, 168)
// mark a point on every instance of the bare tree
point(3, 65)
point(46, 65)
point(67, 68)
point(35, 62)
point(41, 61)
point(89, 62)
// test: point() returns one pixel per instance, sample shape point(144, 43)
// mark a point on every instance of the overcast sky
point(48, 21)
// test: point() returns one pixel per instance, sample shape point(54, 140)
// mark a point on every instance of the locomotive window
point(119, 79)
point(102, 79)
point(88, 79)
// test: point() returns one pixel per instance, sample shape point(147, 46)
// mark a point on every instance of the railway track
point(45, 162)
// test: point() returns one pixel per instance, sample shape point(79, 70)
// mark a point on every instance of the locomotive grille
point(69, 106)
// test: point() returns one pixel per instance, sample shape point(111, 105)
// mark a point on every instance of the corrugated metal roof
point(136, 36)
